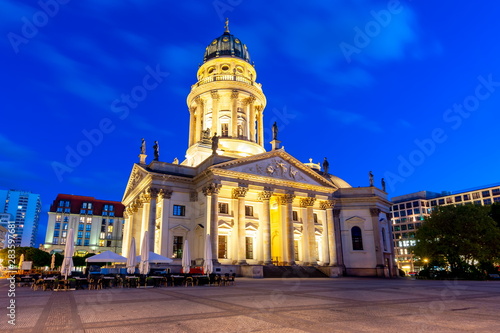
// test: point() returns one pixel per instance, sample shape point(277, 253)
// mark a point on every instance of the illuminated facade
point(259, 207)
point(408, 212)
point(97, 224)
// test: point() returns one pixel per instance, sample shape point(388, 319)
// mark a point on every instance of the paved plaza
point(265, 305)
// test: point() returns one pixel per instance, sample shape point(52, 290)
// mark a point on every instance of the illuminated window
point(222, 251)
point(79, 242)
point(102, 242)
point(57, 225)
point(89, 220)
point(56, 233)
point(87, 234)
point(55, 240)
point(179, 210)
point(110, 228)
point(177, 247)
point(357, 238)
point(88, 227)
point(249, 212)
point(249, 247)
point(58, 218)
point(103, 235)
point(223, 208)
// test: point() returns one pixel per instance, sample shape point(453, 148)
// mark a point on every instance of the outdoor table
point(80, 282)
point(26, 281)
point(107, 281)
point(177, 279)
point(156, 280)
point(131, 281)
point(201, 279)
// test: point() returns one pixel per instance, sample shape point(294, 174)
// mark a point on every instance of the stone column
point(251, 117)
point(192, 125)
point(145, 218)
point(199, 118)
point(290, 248)
point(127, 230)
point(151, 194)
point(374, 212)
point(265, 225)
point(215, 113)
point(309, 230)
point(329, 233)
point(164, 196)
point(337, 231)
point(234, 114)
point(260, 133)
point(239, 194)
point(211, 190)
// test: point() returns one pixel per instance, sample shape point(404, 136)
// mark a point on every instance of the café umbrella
point(131, 260)
point(186, 258)
point(53, 262)
point(67, 265)
point(207, 263)
point(20, 264)
point(144, 264)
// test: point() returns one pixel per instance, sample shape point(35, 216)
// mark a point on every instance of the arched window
point(357, 239)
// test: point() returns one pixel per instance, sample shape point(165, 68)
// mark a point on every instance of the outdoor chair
point(217, 280)
point(38, 284)
point(189, 280)
point(231, 279)
point(94, 284)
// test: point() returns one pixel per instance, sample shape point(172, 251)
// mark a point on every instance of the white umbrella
point(208, 265)
point(186, 258)
point(131, 260)
point(67, 265)
point(20, 264)
point(53, 262)
point(144, 264)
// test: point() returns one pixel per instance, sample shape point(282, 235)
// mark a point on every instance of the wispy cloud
point(355, 120)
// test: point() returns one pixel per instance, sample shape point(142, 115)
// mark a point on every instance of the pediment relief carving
point(355, 219)
point(226, 224)
point(252, 226)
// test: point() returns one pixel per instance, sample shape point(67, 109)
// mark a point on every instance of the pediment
point(180, 227)
point(136, 176)
point(225, 224)
point(355, 219)
point(252, 226)
point(277, 165)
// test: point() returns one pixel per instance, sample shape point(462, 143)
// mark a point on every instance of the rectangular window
point(449, 200)
point(86, 242)
point(416, 211)
point(80, 234)
point(64, 233)
point(55, 240)
point(108, 243)
point(401, 206)
point(89, 220)
point(487, 201)
point(486, 194)
point(105, 207)
point(475, 195)
point(102, 235)
point(396, 214)
point(65, 226)
point(67, 210)
point(495, 191)
point(84, 205)
point(477, 202)
point(315, 217)
point(433, 203)
point(104, 213)
point(56, 233)
point(59, 210)
point(466, 196)
point(87, 234)
point(409, 212)
point(103, 228)
point(111, 221)
point(110, 228)
point(57, 225)
point(103, 222)
point(58, 218)
point(101, 242)
point(295, 217)
point(111, 207)
point(397, 228)
point(415, 204)
point(111, 214)
point(179, 210)
point(395, 207)
point(249, 247)
point(458, 198)
point(224, 130)
point(222, 251)
point(403, 213)
point(411, 227)
point(408, 205)
point(441, 201)
point(497, 199)
point(177, 249)
point(223, 208)
point(88, 227)
point(403, 227)
point(296, 249)
point(89, 212)
point(81, 226)
point(63, 241)
point(79, 242)
point(417, 225)
point(249, 212)
point(109, 236)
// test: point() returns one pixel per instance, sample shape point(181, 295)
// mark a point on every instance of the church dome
point(227, 45)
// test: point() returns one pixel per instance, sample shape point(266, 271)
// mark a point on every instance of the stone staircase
point(292, 272)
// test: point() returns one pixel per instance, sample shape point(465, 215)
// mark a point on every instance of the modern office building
point(260, 208)
point(97, 224)
point(408, 212)
point(24, 208)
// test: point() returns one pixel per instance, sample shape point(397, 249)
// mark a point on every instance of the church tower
point(226, 101)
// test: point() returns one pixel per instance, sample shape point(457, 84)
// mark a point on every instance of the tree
point(466, 236)
point(40, 258)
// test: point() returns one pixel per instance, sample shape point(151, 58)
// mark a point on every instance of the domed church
point(261, 209)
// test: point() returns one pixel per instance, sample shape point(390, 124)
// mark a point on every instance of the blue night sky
point(407, 89)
